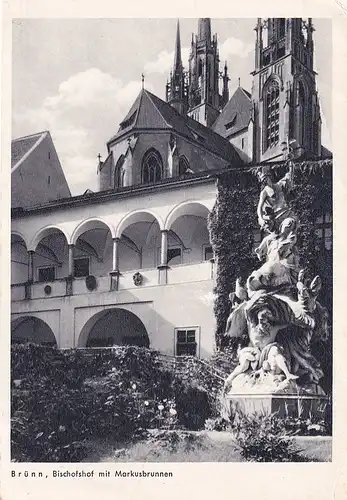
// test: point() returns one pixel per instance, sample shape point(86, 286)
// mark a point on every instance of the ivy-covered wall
point(233, 223)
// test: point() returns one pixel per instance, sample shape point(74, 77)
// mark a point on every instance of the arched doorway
point(115, 326)
point(30, 329)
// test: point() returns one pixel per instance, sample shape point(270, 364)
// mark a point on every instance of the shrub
point(62, 398)
point(193, 406)
point(264, 438)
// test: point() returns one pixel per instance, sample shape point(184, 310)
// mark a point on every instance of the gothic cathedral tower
point(203, 97)
point(285, 100)
point(176, 89)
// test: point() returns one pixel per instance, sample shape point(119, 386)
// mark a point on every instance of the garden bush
point(264, 438)
point(61, 399)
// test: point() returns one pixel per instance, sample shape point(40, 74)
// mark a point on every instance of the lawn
point(204, 446)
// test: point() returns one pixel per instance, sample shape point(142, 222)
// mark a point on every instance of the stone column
point(70, 276)
point(31, 266)
point(71, 263)
point(163, 267)
point(114, 284)
point(30, 281)
point(163, 251)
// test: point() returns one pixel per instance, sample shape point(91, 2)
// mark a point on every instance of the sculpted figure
point(280, 331)
point(272, 206)
point(281, 259)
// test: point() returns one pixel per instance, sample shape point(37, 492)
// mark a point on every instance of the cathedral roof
point(235, 115)
point(151, 112)
point(22, 147)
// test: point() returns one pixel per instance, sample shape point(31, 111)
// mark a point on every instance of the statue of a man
point(281, 264)
point(272, 206)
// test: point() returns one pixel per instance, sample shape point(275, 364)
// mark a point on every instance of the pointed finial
point(143, 80)
point(178, 57)
point(99, 157)
point(239, 79)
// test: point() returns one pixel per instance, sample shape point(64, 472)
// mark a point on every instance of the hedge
point(233, 222)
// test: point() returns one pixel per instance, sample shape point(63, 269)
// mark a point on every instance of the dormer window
point(126, 123)
point(230, 124)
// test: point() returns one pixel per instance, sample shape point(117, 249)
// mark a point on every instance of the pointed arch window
point(282, 27)
point(272, 114)
point(119, 173)
point(152, 167)
point(300, 103)
point(183, 166)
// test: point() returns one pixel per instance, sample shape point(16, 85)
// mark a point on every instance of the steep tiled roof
point(235, 115)
point(151, 112)
point(22, 147)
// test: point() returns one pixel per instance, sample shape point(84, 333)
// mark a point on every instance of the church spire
point(204, 30)
point(178, 66)
point(176, 92)
point(284, 88)
point(203, 93)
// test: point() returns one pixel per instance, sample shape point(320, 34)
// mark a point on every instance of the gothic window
point(200, 67)
point(300, 102)
point(119, 172)
point(152, 167)
point(183, 165)
point(121, 177)
point(272, 114)
point(282, 27)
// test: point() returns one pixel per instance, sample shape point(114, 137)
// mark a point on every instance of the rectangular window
point(242, 143)
point(174, 255)
point(186, 342)
point(81, 267)
point(207, 252)
point(46, 273)
point(324, 230)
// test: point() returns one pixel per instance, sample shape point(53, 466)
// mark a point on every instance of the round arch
point(197, 208)
point(113, 326)
point(88, 224)
point(46, 231)
point(19, 235)
point(137, 216)
point(31, 329)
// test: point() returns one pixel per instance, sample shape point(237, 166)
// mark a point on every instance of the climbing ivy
point(233, 224)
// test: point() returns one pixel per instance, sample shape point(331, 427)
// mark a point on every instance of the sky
point(77, 78)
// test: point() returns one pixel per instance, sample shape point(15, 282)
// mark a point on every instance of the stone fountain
point(276, 310)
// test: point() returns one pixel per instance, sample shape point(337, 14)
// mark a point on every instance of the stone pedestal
point(283, 405)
